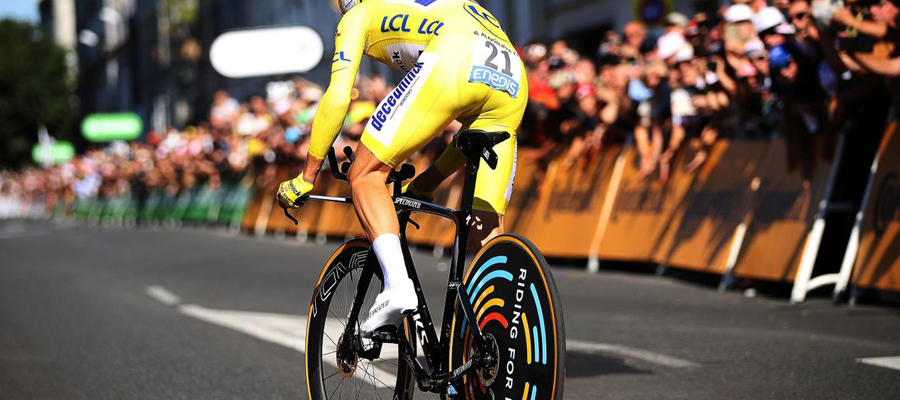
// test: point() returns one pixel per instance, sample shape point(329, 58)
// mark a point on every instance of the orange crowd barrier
point(701, 232)
point(256, 218)
point(782, 216)
point(607, 210)
point(878, 261)
point(561, 211)
point(641, 211)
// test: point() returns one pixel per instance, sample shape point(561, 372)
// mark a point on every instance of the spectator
point(224, 110)
point(635, 44)
point(748, 71)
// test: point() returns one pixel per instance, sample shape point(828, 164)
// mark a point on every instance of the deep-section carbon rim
point(328, 314)
point(515, 300)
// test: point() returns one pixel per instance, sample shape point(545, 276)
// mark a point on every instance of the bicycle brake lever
point(349, 153)
point(287, 214)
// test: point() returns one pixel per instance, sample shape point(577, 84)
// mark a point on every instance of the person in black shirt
point(885, 23)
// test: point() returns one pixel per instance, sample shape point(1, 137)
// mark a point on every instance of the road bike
point(502, 335)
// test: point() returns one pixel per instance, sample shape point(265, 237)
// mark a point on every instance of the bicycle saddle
point(478, 143)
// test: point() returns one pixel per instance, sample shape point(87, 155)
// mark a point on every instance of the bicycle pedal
point(386, 334)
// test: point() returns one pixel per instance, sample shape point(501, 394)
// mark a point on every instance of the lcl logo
point(887, 204)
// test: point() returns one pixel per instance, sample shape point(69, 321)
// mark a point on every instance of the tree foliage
point(35, 89)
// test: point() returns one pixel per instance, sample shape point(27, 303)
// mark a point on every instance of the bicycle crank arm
point(439, 384)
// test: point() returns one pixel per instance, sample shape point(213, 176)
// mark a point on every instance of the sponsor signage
point(702, 228)
point(56, 153)
point(783, 216)
point(887, 203)
point(263, 52)
point(878, 261)
point(110, 127)
point(390, 104)
point(642, 210)
point(562, 219)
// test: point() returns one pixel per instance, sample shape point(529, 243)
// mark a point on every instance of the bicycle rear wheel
point(330, 343)
point(517, 305)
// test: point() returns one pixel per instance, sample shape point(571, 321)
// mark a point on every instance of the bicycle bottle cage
point(478, 143)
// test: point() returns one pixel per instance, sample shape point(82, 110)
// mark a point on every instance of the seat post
point(473, 161)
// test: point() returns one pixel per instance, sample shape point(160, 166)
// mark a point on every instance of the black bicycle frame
point(434, 346)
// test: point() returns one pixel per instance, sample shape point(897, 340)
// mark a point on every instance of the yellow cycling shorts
point(475, 79)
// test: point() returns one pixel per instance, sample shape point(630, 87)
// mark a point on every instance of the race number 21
point(496, 66)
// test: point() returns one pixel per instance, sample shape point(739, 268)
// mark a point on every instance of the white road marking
point(884, 362)
point(162, 295)
point(21, 232)
point(286, 330)
point(630, 352)
point(290, 331)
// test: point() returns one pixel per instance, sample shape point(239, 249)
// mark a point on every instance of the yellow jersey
point(396, 33)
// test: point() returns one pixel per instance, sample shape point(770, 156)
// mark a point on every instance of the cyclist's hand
point(295, 192)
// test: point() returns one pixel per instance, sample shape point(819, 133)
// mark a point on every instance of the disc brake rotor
point(347, 358)
point(488, 374)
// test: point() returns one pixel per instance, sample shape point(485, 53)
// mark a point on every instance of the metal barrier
point(743, 214)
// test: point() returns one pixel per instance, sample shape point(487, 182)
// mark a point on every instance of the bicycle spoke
point(372, 376)
point(329, 376)
point(380, 381)
point(338, 319)
point(347, 300)
point(335, 389)
point(385, 360)
point(374, 372)
point(358, 391)
point(330, 339)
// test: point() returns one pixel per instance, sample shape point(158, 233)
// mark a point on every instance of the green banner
point(57, 153)
point(110, 127)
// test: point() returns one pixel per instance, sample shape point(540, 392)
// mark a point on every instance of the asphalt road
point(202, 314)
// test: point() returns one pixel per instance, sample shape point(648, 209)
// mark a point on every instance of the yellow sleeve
point(350, 42)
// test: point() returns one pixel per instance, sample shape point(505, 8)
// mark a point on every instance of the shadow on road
point(581, 365)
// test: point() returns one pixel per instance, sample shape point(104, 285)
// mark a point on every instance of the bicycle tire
point(522, 311)
point(328, 312)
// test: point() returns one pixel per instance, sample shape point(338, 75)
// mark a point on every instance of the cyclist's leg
point(492, 193)
point(371, 198)
point(493, 187)
point(425, 102)
point(418, 109)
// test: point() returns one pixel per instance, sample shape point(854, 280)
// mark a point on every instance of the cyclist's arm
point(350, 41)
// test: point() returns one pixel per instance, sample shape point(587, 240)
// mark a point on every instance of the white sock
point(390, 256)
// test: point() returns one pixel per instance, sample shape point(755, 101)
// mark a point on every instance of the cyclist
point(460, 65)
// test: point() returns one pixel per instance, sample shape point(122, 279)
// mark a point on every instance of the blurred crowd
point(256, 136)
point(749, 70)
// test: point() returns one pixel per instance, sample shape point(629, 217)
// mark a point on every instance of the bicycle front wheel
point(517, 306)
point(340, 364)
